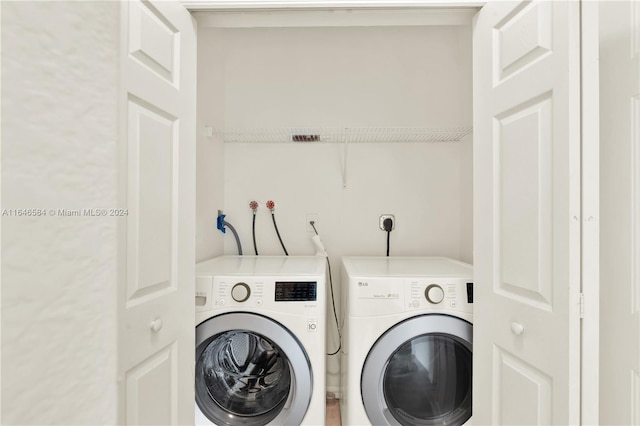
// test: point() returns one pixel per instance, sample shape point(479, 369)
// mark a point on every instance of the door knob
point(156, 325)
point(517, 328)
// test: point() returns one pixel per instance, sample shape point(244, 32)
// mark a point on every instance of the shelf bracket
point(345, 142)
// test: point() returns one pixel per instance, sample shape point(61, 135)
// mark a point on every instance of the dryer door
point(419, 373)
point(250, 370)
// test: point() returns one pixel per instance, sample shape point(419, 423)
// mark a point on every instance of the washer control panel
point(237, 292)
point(300, 294)
point(296, 291)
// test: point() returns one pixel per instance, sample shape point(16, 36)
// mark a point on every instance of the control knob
point(240, 292)
point(434, 294)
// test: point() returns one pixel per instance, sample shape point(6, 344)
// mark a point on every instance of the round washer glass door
point(254, 374)
point(419, 373)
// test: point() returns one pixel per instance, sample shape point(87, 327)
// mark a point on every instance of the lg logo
point(363, 284)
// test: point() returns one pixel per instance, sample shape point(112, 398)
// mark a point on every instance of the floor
point(333, 411)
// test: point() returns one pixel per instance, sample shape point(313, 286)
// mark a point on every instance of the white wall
point(343, 77)
point(210, 112)
point(620, 212)
point(466, 201)
point(392, 76)
point(59, 131)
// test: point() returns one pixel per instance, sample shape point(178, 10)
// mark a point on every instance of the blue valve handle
point(220, 223)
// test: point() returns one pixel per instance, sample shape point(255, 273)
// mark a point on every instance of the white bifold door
point(157, 244)
point(527, 213)
point(620, 225)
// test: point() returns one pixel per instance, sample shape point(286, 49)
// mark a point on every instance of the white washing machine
point(260, 341)
point(407, 357)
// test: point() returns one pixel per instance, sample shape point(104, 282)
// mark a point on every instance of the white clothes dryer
point(260, 341)
point(408, 345)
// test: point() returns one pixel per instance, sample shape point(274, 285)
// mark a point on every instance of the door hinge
point(581, 305)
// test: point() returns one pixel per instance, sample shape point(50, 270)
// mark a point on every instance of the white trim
point(333, 18)
point(222, 5)
point(635, 397)
point(123, 170)
point(576, 169)
point(590, 99)
point(635, 29)
point(634, 156)
point(1, 234)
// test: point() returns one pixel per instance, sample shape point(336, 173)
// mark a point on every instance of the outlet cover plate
point(387, 216)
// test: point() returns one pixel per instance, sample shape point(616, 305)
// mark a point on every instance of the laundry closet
point(387, 108)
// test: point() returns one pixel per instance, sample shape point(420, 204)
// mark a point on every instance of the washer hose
point(253, 232)
point(221, 224)
point(235, 234)
point(273, 216)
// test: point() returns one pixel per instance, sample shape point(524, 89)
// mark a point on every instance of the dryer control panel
point(439, 294)
point(379, 296)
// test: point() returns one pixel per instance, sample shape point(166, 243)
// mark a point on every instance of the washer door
point(250, 370)
point(419, 373)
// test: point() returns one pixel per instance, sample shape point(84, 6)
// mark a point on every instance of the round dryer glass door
point(428, 382)
point(421, 371)
point(243, 377)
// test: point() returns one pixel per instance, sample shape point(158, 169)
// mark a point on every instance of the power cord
point(333, 299)
point(335, 314)
point(388, 226)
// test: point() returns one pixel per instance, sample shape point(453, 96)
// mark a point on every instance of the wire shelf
point(343, 134)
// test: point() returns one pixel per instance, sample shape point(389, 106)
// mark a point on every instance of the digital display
point(296, 291)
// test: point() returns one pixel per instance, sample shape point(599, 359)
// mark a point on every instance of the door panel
point(153, 41)
point(144, 404)
point(527, 207)
point(521, 38)
point(531, 404)
point(151, 182)
point(523, 158)
point(157, 241)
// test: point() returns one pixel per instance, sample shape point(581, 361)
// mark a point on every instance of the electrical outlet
point(387, 216)
point(312, 217)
